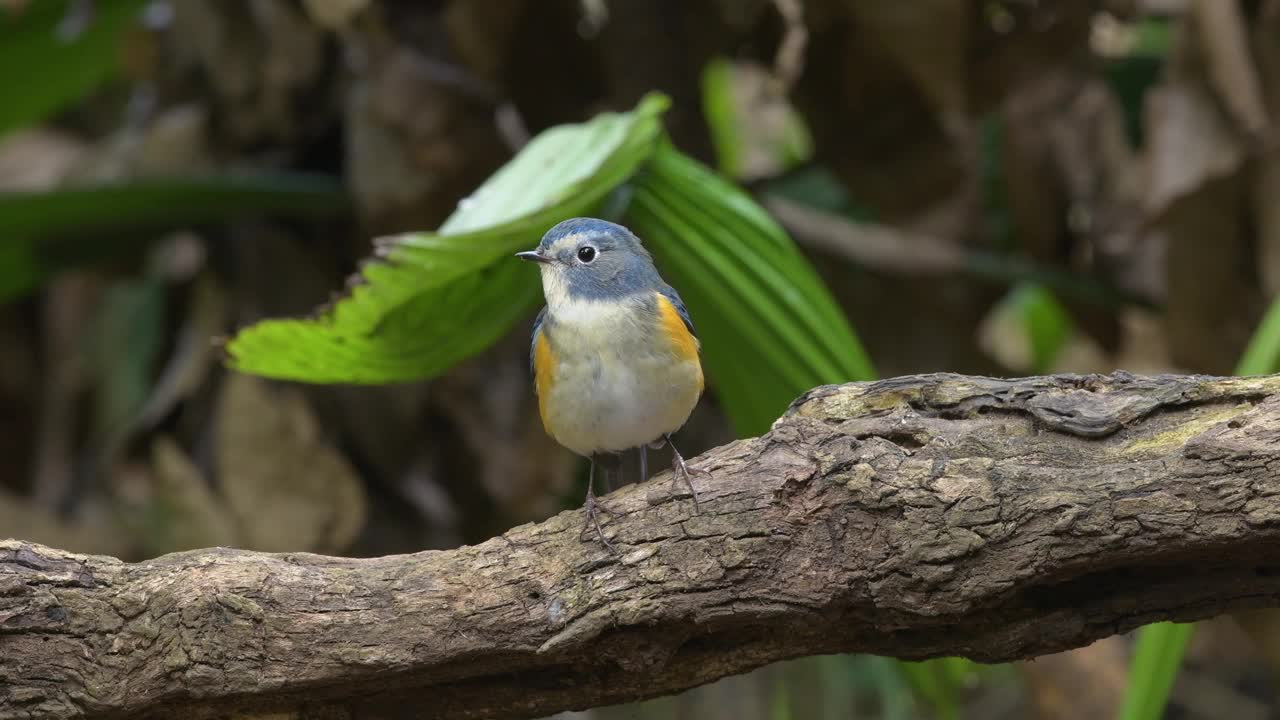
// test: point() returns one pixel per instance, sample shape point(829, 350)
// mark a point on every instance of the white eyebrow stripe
point(570, 239)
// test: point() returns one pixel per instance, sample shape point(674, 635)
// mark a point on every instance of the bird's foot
point(593, 508)
point(680, 470)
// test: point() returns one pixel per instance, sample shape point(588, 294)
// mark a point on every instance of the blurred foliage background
point(996, 187)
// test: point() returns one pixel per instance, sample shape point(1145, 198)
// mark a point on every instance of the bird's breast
point(616, 377)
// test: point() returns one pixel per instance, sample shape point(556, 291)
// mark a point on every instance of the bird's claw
point(680, 470)
point(593, 509)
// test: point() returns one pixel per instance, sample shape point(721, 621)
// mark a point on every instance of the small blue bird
point(614, 356)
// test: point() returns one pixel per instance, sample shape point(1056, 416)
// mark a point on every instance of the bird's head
point(591, 259)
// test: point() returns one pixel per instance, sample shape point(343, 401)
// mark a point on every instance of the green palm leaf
point(432, 299)
point(770, 328)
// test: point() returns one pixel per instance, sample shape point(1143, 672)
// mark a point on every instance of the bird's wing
point(533, 342)
point(670, 294)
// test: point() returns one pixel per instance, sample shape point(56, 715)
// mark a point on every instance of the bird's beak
point(533, 256)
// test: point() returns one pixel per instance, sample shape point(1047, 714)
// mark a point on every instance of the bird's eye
point(586, 253)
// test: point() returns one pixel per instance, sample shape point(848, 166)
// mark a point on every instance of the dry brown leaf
point(788, 62)
point(1072, 187)
point(260, 57)
point(70, 302)
point(1067, 160)
point(176, 142)
point(491, 403)
point(480, 33)
point(1197, 202)
point(287, 487)
point(36, 158)
point(383, 178)
point(1189, 143)
point(1266, 208)
point(1267, 52)
point(929, 39)
point(334, 14)
point(1221, 675)
point(419, 136)
point(1144, 348)
point(1211, 308)
point(1204, 697)
point(1266, 180)
point(191, 515)
point(188, 366)
point(1222, 35)
point(1262, 628)
point(23, 520)
point(763, 119)
point(1084, 683)
point(1163, 7)
point(1003, 336)
point(743, 15)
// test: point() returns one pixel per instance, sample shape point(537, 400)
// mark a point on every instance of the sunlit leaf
point(1262, 356)
point(433, 299)
point(46, 63)
point(770, 329)
point(1134, 64)
point(45, 231)
point(1027, 329)
point(754, 131)
point(1048, 324)
point(717, 105)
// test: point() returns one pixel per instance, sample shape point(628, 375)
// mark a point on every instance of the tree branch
point(915, 517)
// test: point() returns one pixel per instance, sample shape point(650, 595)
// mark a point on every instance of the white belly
point(615, 386)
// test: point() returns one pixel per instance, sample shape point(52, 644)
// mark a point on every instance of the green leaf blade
point(42, 70)
point(1158, 653)
point(402, 345)
point(770, 328)
point(42, 232)
point(1156, 659)
point(431, 300)
point(1262, 356)
point(166, 202)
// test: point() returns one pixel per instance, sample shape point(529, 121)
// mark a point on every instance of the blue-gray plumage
point(614, 355)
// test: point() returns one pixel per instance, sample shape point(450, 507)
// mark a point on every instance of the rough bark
point(915, 517)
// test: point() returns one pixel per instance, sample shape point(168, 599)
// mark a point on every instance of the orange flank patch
point(544, 370)
point(682, 341)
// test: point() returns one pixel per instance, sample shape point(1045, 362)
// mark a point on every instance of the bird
point(614, 356)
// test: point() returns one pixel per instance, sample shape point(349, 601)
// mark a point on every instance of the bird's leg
point(681, 471)
point(593, 508)
point(644, 463)
point(612, 473)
